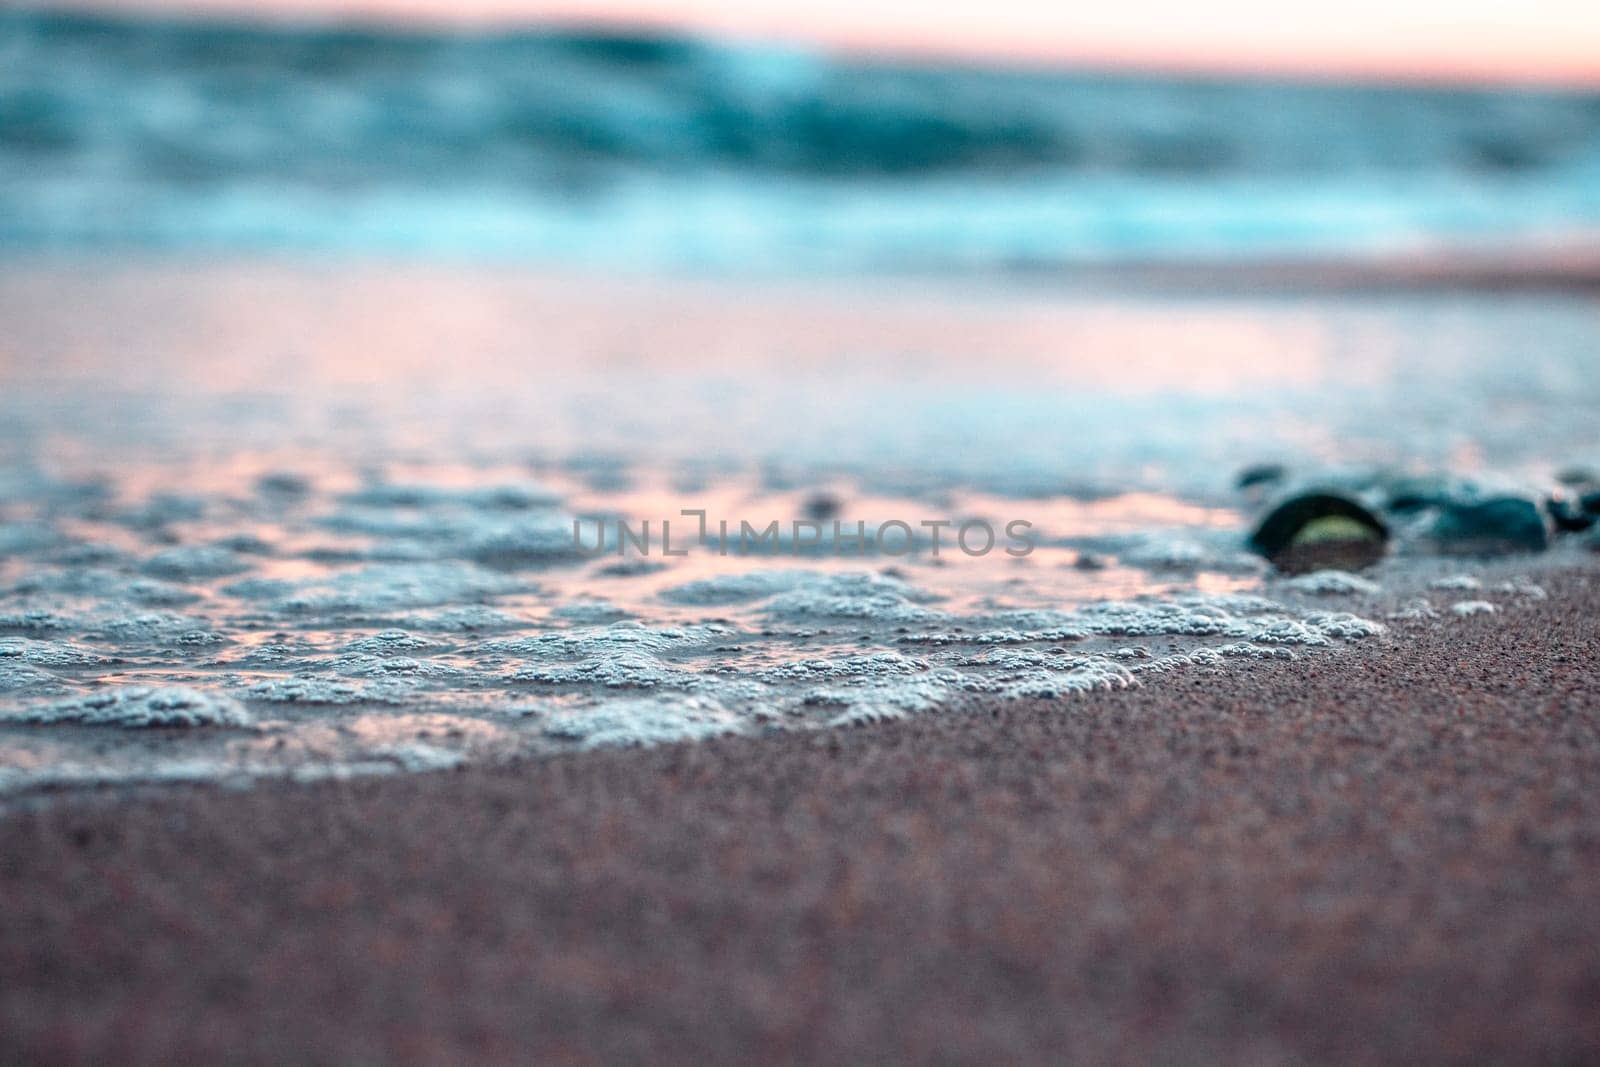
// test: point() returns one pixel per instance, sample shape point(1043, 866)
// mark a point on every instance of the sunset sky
point(1497, 40)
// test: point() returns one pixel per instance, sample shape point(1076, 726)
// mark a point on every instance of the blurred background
point(706, 135)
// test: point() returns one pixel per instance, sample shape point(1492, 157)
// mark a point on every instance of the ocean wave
point(661, 150)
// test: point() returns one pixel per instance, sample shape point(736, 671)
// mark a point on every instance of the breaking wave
point(641, 150)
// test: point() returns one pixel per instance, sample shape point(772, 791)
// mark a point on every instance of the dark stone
point(1313, 531)
point(822, 506)
point(1408, 495)
point(1590, 503)
point(1261, 474)
point(1492, 527)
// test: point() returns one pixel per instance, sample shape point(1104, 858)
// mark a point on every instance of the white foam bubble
point(385, 587)
point(365, 665)
point(1332, 583)
point(1415, 609)
point(871, 665)
point(590, 641)
point(645, 721)
point(613, 669)
point(810, 594)
point(390, 643)
point(349, 616)
point(56, 654)
point(332, 692)
point(885, 701)
point(1343, 625)
point(142, 706)
point(1088, 677)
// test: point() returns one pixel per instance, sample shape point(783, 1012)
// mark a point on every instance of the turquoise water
point(662, 153)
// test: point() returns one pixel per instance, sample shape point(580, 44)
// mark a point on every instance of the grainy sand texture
point(1390, 853)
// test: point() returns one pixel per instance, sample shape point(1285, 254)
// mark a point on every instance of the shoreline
point(1568, 268)
point(1389, 851)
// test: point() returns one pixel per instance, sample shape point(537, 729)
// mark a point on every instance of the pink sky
point(1497, 40)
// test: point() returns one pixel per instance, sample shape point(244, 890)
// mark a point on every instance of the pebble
point(1495, 526)
point(1259, 480)
point(1318, 531)
point(1413, 493)
point(822, 506)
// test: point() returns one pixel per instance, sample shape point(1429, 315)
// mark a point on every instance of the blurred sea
point(641, 151)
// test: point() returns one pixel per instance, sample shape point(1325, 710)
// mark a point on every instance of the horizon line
point(1579, 71)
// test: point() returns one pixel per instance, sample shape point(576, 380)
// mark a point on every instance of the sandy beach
point(622, 536)
point(1390, 853)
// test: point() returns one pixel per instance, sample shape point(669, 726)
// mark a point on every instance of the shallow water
point(317, 519)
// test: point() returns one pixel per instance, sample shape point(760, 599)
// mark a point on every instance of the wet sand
point(1569, 267)
point(1389, 852)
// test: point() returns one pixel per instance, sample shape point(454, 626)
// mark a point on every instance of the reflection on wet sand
point(319, 520)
